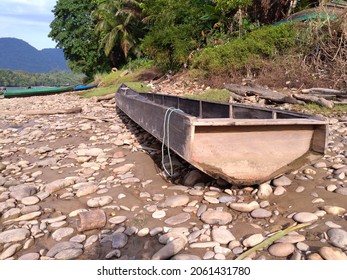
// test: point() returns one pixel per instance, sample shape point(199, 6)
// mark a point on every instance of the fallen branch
point(324, 91)
point(319, 100)
point(270, 240)
point(262, 93)
point(45, 112)
point(97, 119)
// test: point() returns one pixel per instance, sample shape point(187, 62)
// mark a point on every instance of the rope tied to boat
point(166, 140)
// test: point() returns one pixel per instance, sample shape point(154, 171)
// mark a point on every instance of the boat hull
point(244, 145)
point(36, 91)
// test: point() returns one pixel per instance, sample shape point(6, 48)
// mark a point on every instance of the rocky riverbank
point(54, 168)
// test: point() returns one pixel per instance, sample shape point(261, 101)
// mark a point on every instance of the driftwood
point(91, 220)
point(262, 93)
point(91, 118)
point(319, 100)
point(325, 91)
point(44, 112)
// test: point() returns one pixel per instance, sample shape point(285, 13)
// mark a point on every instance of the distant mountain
point(16, 54)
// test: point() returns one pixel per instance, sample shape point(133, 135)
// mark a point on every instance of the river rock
point(59, 184)
point(10, 251)
point(99, 201)
point(178, 219)
point(61, 233)
point(69, 254)
point(342, 190)
point(253, 240)
point(176, 200)
point(86, 189)
point(185, 257)
point(30, 200)
point(92, 152)
point(123, 169)
point(329, 253)
point(117, 219)
point(14, 235)
point(63, 246)
point(170, 249)
point(30, 256)
point(261, 213)
point(334, 210)
point(119, 240)
point(244, 207)
point(222, 235)
point(264, 191)
point(21, 191)
point(214, 217)
point(281, 249)
point(338, 237)
point(291, 238)
point(305, 217)
point(282, 181)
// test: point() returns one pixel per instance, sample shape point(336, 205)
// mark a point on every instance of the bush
point(247, 52)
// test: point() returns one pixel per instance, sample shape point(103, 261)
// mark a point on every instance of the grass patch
point(314, 108)
point(217, 95)
point(100, 91)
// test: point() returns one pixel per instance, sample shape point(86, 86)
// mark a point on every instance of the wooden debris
point(325, 91)
point(45, 112)
point(319, 100)
point(105, 97)
point(261, 92)
point(92, 219)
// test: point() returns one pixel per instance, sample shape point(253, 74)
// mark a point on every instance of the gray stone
point(280, 191)
point(59, 184)
point(282, 181)
point(291, 238)
point(63, 246)
point(305, 217)
point(176, 200)
point(281, 249)
point(117, 220)
point(222, 235)
point(184, 257)
point(119, 240)
point(261, 213)
point(178, 219)
point(47, 162)
point(69, 254)
point(30, 256)
point(342, 190)
point(61, 233)
point(92, 152)
point(170, 249)
point(20, 191)
point(225, 199)
point(86, 189)
point(10, 251)
point(30, 200)
point(99, 201)
point(338, 237)
point(193, 177)
point(214, 217)
point(14, 235)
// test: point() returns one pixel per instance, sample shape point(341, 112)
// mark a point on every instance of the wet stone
point(61, 233)
point(282, 181)
point(176, 200)
point(222, 235)
point(338, 237)
point(261, 213)
point(305, 217)
point(119, 240)
point(178, 219)
point(214, 217)
point(281, 249)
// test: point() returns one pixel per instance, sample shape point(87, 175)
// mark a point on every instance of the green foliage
point(247, 52)
point(73, 30)
point(314, 108)
point(10, 78)
point(140, 63)
point(112, 89)
point(218, 95)
point(227, 5)
point(175, 28)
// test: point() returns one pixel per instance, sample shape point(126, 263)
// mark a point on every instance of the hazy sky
point(27, 20)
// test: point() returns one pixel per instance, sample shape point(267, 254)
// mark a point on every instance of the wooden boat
point(241, 144)
point(84, 87)
point(35, 91)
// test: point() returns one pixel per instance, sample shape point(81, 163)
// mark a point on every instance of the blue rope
point(166, 138)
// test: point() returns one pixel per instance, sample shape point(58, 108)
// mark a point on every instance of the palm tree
point(118, 22)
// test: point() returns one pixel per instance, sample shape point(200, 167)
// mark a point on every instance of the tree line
point(97, 35)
